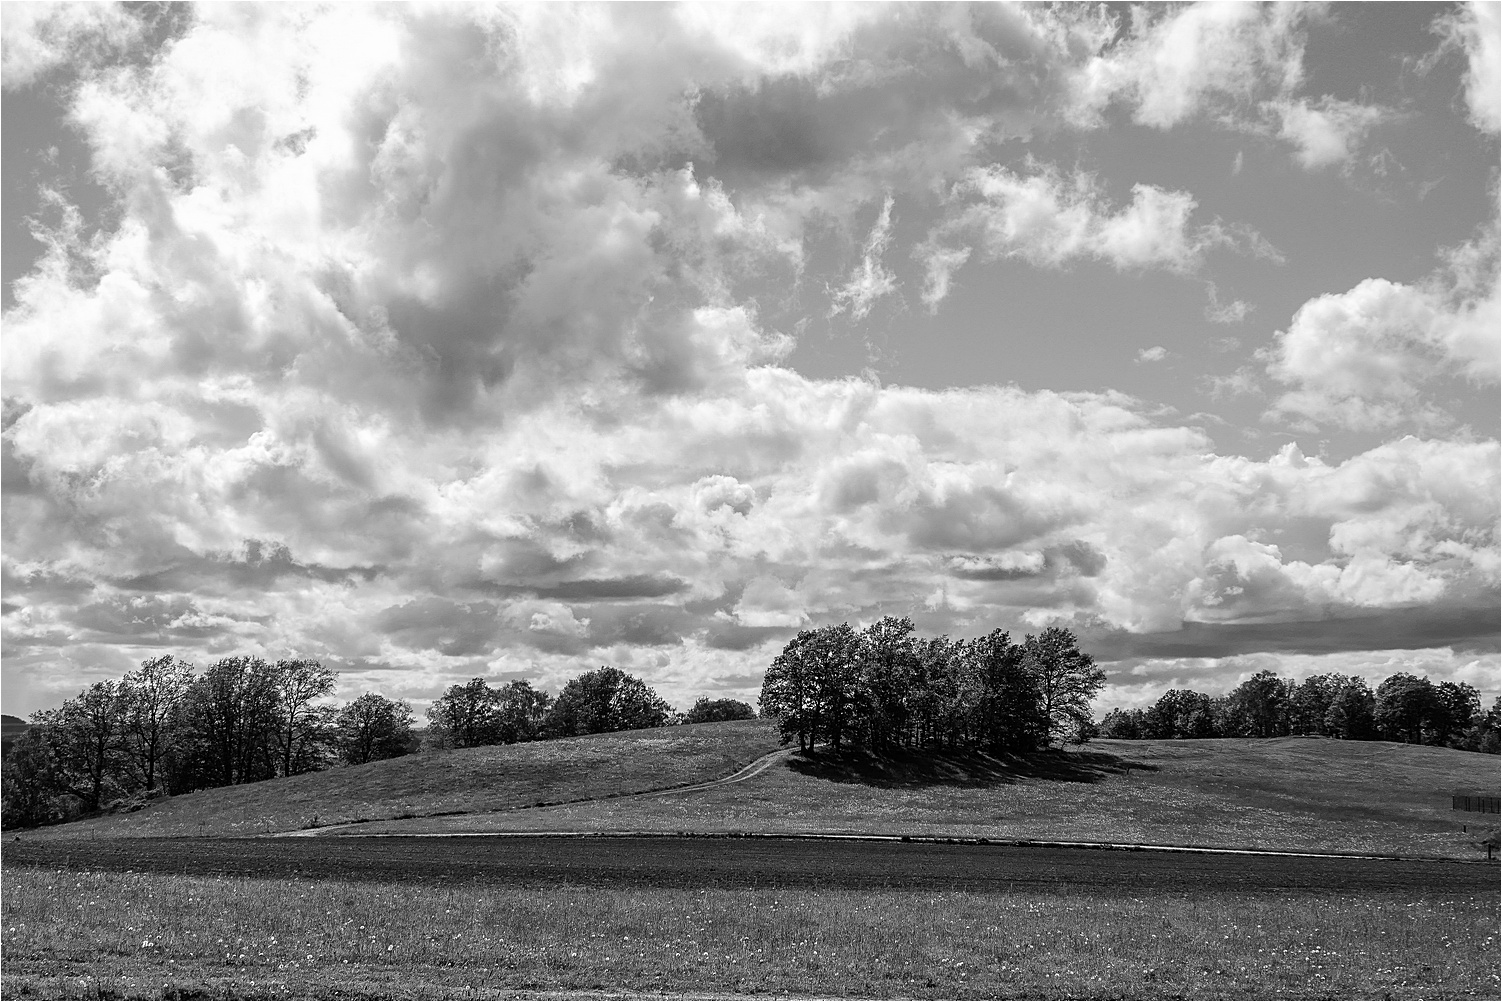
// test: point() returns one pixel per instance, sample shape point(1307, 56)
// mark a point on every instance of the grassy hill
point(459, 781)
point(1285, 793)
point(1308, 794)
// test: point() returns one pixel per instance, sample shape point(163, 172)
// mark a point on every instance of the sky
point(437, 342)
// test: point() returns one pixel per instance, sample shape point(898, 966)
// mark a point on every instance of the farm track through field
point(618, 861)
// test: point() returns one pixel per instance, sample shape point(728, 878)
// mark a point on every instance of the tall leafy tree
point(1012, 716)
point(839, 676)
point(1309, 703)
point(372, 727)
point(1127, 724)
point(1405, 705)
point(29, 787)
point(228, 721)
point(150, 697)
point(1456, 705)
point(1067, 681)
point(86, 741)
point(467, 716)
point(523, 711)
point(301, 725)
point(1262, 703)
point(707, 711)
point(935, 700)
point(789, 692)
point(888, 654)
point(1181, 713)
point(1350, 714)
point(606, 699)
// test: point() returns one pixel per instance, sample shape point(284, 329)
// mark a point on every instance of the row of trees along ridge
point(886, 687)
point(165, 728)
point(1404, 707)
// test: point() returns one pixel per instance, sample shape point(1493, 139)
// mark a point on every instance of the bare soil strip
point(613, 861)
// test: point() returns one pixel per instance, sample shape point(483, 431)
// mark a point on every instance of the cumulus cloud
point(1324, 133)
point(1156, 353)
point(1476, 29)
point(1170, 66)
point(1376, 356)
point(38, 38)
point(1050, 220)
point(435, 342)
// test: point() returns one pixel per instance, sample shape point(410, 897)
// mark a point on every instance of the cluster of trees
point(1404, 708)
point(606, 699)
point(166, 729)
point(886, 687)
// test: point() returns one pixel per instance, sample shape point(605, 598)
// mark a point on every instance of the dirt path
point(756, 768)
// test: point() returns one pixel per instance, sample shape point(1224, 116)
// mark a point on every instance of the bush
point(707, 711)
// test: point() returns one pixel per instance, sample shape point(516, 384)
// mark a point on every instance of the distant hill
point(12, 726)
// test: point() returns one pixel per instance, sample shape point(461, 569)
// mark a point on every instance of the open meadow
point(110, 908)
point(463, 781)
point(112, 935)
point(1306, 794)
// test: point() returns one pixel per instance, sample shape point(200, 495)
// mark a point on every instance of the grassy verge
point(95, 935)
point(1290, 793)
point(461, 781)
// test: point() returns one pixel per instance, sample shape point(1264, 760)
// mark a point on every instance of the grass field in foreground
point(461, 780)
point(94, 935)
point(1281, 793)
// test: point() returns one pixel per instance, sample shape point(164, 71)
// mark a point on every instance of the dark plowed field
point(732, 862)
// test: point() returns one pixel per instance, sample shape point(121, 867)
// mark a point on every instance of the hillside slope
point(1306, 794)
point(463, 780)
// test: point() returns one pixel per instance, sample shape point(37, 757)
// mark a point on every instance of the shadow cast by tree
point(913, 770)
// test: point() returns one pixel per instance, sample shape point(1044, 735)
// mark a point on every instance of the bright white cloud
point(430, 343)
point(1050, 220)
point(1326, 133)
point(36, 38)
point(1171, 66)
point(871, 279)
point(1476, 29)
point(1373, 357)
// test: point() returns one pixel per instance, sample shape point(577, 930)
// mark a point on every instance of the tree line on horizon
point(886, 687)
point(167, 729)
point(1406, 708)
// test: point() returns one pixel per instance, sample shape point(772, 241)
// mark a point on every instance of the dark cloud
point(263, 565)
point(151, 620)
point(647, 626)
point(590, 589)
point(1474, 630)
point(727, 636)
point(981, 518)
point(593, 589)
point(904, 83)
